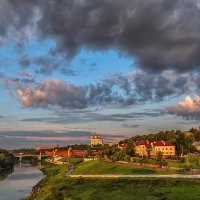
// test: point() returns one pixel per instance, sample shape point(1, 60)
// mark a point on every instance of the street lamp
point(182, 151)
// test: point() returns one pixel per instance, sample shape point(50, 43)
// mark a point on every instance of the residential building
point(145, 148)
point(122, 145)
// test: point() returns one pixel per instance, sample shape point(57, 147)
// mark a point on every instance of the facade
point(96, 140)
point(145, 148)
point(66, 153)
point(197, 145)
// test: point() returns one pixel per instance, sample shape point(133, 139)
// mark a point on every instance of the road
point(195, 176)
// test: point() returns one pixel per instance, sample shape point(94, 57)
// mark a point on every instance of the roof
point(162, 143)
point(142, 142)
point(155, 143)
point(122, 145)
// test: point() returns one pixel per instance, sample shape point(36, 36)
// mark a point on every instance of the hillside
point(100, 167)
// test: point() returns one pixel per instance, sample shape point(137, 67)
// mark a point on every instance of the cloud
point(118, 91)
point(158, 35)
point(32, 139)
point(131, 126)
point(26, 74)
point(188, 108)
point(53, 92)
point(2, 75)
point(62, 116)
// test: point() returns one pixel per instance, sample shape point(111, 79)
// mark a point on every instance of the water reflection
point(19, 184)
point(5, 172)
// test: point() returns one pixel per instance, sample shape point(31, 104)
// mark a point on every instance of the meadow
point(57, 186)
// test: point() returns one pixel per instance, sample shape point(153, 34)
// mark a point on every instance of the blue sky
point(101, 72)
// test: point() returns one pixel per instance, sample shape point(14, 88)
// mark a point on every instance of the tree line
point(6, 159)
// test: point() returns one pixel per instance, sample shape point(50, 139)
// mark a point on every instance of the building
point(145, 148)
point(141, 147)
point(197, 145)
point(96, 140)
point(122, 146)
point(66, 153)
point(39, 148)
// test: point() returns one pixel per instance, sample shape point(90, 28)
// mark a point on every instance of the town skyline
point(73, 68)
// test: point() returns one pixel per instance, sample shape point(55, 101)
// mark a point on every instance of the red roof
point(122, 145)
point(142, 142)
point(162, 143)
point(156, 143)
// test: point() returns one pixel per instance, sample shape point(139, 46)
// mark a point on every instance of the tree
point(159, 155)
point(149, 150)
point(130, 151)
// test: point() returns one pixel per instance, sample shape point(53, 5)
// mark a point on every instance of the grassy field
point(100, 167)
point(58, 187)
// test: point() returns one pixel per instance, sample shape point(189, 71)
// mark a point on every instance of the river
point(17, 184)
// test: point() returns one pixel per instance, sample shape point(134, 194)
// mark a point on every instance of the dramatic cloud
point(120, 90)
point(53, 92)
point(188, 108)
point(157, 34)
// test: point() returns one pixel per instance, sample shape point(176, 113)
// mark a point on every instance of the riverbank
point(57, 186)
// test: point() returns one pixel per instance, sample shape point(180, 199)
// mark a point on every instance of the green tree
point(130, 150)
point(149, 150)
point(159, 155)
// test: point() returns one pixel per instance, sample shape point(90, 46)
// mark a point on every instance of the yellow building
point(96, 140)
point(143, 148)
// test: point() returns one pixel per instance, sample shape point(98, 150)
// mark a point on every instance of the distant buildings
point(66, 153)
point(39, 148)
point(96, 140)
point(144, 148)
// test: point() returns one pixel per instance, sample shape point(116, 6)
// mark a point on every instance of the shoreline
point(36, 188)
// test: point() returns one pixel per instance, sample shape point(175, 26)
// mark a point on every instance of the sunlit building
point(96, 140)
point(144, 148)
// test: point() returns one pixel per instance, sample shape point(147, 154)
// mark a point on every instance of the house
point(122, 146)
point(141, 147)
point(144, 148)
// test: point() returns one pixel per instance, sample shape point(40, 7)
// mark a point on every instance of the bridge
point(21, 155)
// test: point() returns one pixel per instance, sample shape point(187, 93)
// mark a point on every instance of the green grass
point(100, 167)
point(57, 187)
point(76, 161)
point(175, 164)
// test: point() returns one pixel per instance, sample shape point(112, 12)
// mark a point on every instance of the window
point(158, 148)
point(166, 152)
point(166, 148)
point(170, 148)
point(170, 152)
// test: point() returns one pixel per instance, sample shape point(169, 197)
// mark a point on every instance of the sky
point(69, 69)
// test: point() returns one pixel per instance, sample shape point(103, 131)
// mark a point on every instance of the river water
point(17, 184)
